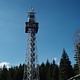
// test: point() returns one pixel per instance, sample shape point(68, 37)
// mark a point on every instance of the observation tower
point(31, 67)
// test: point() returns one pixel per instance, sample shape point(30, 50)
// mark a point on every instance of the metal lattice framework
point(77, 47)
point(31, 67)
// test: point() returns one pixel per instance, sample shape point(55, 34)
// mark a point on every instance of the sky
point(58, 22)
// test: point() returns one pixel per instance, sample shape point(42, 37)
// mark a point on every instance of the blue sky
point(58, 22)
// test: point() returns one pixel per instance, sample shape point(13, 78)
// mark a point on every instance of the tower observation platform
point(31, 67)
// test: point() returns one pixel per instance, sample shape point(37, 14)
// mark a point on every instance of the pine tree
point(0, 73)
point(11, 73)
point(4, 74)
point(65, 69)
point(76, 69)
point(42, 72)
point(20, 72)
point(54, 71)
point(47, 70)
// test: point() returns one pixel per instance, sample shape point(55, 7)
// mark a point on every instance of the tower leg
point(31, 68)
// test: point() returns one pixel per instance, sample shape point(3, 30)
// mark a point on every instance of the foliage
point(65, 69)
point(76, 69)
point(54, 71)
point(13, 73)
point(47, 71)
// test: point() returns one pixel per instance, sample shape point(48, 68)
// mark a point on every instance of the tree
point(11, 73)
point(42, 72)
point(65, 69)
point(20, 72)
point(54, 71)
point(4, 74)
point(76, 69)
point(47, 70)
point(0, 73)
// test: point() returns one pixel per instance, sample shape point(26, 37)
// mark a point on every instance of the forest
point(47, 70)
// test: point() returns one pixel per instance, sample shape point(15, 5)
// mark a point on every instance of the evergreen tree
point(76, 69)
point(54, 71)
point(0, 73)
point(4, 74)
point(65, 69)
point(47, 70)
point(11, 73)
point(42, 72)
point(20, 72)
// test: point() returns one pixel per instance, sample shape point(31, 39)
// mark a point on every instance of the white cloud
point(55, 59)
point(6, 64)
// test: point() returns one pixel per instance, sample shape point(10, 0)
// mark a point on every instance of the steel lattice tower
point(31, 67)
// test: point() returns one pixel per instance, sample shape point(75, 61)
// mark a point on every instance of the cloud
point(6, 64)
point(55, 59)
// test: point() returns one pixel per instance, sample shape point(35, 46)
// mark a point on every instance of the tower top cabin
point(31, 24)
